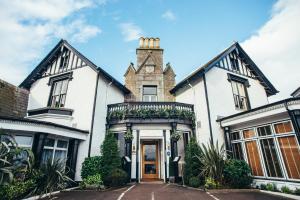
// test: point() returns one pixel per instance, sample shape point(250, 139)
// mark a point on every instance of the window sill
point(58, 111)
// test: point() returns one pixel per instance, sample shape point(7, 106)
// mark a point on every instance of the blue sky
point(197, 32)
point(191, 33)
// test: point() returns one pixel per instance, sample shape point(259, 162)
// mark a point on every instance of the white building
point(72, 104)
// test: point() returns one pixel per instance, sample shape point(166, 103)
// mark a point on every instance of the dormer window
point(239, 89)
point(59, 93)
point(149, 93)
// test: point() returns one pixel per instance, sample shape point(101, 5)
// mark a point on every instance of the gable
point(64, 58)
point(235, 60)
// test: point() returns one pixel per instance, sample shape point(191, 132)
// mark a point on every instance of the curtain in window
point(271, 158)
point(47, 155)
point(249, 133)
point(253, 158)
point(291, 155)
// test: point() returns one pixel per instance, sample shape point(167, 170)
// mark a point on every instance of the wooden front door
point(150, 160)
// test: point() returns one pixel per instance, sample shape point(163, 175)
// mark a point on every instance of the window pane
point(23, 140)
point(271, 158)
point(253, 158)
point(237, 151)
point(264, 130)
point(64, 87)
point(235, 136)
point(291, 155)
point(149, 90)
point(60, 155)
point(249, 133)
point(234, 87)
point(241, 89)
point(57, 88)
point(49, 142)
point(62, 144)
point(47, 155)
point(285, 127)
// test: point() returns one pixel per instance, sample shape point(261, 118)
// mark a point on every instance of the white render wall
point(195, 94)
point(221, 100)
point(107, 94)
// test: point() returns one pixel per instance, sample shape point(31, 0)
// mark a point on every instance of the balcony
point(150, 112)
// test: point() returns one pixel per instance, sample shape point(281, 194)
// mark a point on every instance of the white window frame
point(55, 148)
point(274, 136)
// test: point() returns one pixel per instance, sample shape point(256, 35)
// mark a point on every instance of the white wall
point(221, 100)
point(106, 94)
point(195, 94)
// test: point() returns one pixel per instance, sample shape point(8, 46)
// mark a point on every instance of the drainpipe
point(93, 115)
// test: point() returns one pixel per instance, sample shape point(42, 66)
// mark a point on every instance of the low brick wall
point(13, 100)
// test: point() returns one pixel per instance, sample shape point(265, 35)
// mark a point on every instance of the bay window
point(271, 150)
point(55, 149)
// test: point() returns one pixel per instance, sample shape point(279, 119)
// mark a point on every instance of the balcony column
point(227, 141)
point(174, 151)
point(128, 152)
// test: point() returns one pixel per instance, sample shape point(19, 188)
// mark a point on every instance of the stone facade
point(13, 100)
point(149, 72)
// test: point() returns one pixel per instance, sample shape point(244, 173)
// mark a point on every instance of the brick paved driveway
point(151, 191)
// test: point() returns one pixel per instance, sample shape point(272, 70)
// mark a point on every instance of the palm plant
point(212, 158)
point(52, 176)
point(14, 160)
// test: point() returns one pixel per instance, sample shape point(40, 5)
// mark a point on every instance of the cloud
point(27, 27)
point(130, 31)
point(169, 15)
point(276, 47)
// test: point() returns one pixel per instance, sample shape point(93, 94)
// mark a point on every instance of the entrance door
point(150, 160)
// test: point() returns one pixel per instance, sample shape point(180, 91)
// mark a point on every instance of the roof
point(284, 101)
point(35, 74)
point(270, 89)
point(296, 91)
point(18, 119)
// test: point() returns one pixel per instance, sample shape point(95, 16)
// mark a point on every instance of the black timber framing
point(72, 156)
point(270, 89)
point(38, 146)
point(53, 54)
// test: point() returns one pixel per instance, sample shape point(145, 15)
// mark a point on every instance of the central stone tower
point(149, 81)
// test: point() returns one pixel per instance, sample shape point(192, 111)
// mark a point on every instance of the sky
point(191, 33)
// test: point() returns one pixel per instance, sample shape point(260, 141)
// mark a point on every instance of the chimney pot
point(141, 42)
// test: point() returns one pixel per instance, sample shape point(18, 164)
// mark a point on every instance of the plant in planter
point(175, 136)
point(128, 136)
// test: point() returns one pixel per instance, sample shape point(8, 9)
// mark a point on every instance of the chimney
point(149, 43)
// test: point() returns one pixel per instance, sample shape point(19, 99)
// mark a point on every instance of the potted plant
point(175, 136)
point(128, 135)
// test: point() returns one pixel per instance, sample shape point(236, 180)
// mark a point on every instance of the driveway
point(158, 191)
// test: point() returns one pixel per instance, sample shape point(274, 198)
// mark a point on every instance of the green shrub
point(210, 183)
point(51, 177)
point(237, 173)
point(263, 186)
point(271, 187)
point(192, 167)
point(16, 190)
point(194, 182)
point(91, 166)
point(117, 177)
point(286, 189)
point(110, 156)
point(93, 180)
point(212, 159)
point(297, 191)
